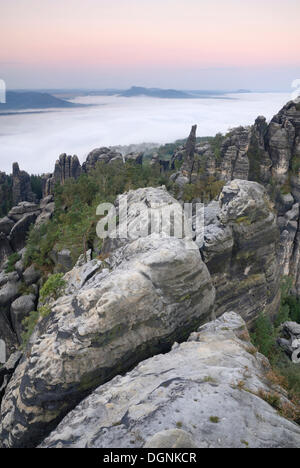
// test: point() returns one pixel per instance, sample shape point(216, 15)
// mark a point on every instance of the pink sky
point(117, 41)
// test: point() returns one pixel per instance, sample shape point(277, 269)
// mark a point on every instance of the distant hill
point(176, 94)
point(155, 92)
point(16, 100)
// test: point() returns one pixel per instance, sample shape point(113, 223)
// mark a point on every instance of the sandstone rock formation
point(234, 160)
point(21, 186)
point(14, 306)
point(210, 387)
point(15, 189)
point(241, 241)
point(66, 167)
point(151, 292)
point(104, 154)
point(291, 341)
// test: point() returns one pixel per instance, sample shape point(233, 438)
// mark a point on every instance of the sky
point(186, 44)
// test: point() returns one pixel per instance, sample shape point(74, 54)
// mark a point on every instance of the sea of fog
point(35, 140)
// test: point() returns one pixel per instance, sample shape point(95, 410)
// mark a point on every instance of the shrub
point(214, 419)
point(74, 221)
point(29, 324)
point(12, 260)
point(263, 336)
point(53, 288)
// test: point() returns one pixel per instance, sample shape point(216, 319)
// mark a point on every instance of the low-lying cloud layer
point(35, 140)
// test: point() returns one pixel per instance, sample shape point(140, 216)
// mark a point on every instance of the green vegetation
point(29, 323)
point(12, 260)
point(243, 220)
point(73, 225)
point(295, 164)
point(206, 189)
point(245, 442)
point(5, 196)
point(285, 372)
point(285, 189)
point(214, 419)
point(53, 288)
point(263, 337)
point(216, 144)
point(25, 290)
point(272, 398)
point(36, 183)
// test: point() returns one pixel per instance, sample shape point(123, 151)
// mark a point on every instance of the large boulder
point(47, 207)
point(234, 159)
point(241, 250)
point(155, 290)
point(31, 275)
point(20, 309)
point(207, 393)
point(6, 225)
point(66, 167)
point(21, 186)
point(7, 335)
point(62, 259)
point(104, 155)
point(8, 293)
point(19, 231)
point(5, 249)
point(7, 370)
point(23, 208)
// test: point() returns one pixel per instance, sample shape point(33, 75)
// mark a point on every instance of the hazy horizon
point(36, 140)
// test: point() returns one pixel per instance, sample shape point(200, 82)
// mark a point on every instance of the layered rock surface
point(69, 167)
point(208, 387)
point(15, 305)
point(240, 248)
point(151, 292)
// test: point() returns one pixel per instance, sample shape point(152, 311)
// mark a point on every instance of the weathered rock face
point(7, 370)
point(21, 186)
point(240, 249)
point(104, 154)
point(284, 141)
point(290, 342)
point(5, 249)
point(20, 309)
point(234, 159)
point(7, 334)
point(198, 161)
point(260, 162)
point(207, 386)
point(151, 292)
point(189, 153)
point(18, 233)
point(66, 167)
point(5, 193)
point(13, 232)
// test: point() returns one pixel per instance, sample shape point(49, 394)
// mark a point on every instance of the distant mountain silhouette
point(16, 100)
point(175, 94)
point(155, 92)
